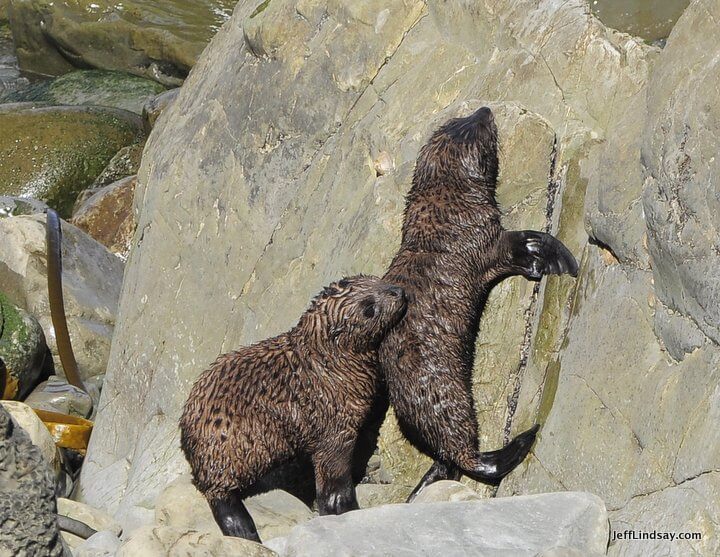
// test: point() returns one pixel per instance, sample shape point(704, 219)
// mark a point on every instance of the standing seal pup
point(453, 251)
point(305, 393)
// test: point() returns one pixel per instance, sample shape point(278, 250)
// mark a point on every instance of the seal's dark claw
point(537, 254)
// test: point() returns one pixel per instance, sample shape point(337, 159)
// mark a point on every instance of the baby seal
point(453, 251)
point(305, 393)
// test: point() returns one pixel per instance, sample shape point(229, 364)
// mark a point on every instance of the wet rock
point(57, 395)
point(108, 217)
point(92, 277)
point(157, 41)
point(182, 506)
point(516, 526)
point(101, 544)
point(22, 348)
point(165, 541)
point(90, 87)
point(446, 490)
point(53, 153)
point(95, 518)
point(39, 435)
point(28, 523)
point(155, 106)
point(15, 206)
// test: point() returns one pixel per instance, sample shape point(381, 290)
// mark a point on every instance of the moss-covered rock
point(22, 348)
point(53, 153)
point(91, 87)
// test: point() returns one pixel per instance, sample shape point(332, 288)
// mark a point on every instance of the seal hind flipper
point(438, 471)
point(232, 516)
point(535, 254)
point(491, 467)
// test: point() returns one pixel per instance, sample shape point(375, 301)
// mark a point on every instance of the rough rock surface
point(158, 40)
point(91, 284)
point(28, 524)
point(518, 526)
point(107, 216)
point(22, 348)
point(283, 162)
point(301, 125)
point(53, 153)
point(33, 426)
point(630, 398)
point(166, 541)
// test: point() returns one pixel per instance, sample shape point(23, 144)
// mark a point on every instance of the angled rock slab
point(518, 526)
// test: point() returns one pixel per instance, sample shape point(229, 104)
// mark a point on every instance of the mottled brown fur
point(454, 249)
point(304, 393)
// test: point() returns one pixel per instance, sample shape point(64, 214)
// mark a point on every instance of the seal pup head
point(462, 153)
point(355, 313)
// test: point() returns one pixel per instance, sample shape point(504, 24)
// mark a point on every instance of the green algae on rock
point(159, 40)
point(53, 153)
point(91, 87)
point(22, 348)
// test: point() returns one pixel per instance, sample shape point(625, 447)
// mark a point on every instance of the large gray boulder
point(284, 122)
point(283, 162)
point(517, 526)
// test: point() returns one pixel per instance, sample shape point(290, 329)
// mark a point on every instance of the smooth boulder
point(518, 526)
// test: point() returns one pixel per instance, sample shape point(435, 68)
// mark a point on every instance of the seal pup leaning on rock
point(303, 393)
point(453, 251)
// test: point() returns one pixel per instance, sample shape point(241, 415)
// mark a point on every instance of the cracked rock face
point(282, 165)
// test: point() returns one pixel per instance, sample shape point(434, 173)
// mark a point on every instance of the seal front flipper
point(491, 467)
point(536, 254)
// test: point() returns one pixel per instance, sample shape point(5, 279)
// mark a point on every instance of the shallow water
point(651, 20)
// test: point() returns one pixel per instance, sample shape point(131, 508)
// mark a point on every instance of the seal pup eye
point(368, 305)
